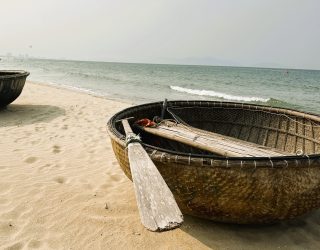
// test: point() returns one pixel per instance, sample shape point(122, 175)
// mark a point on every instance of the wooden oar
point(157, 206)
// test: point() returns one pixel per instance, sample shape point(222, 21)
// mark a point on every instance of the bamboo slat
point(272, 129)
point(267, 132)
point(212, 142)
point(286, 134)
point(312, 133)
point(296, 137)
point(277, 133)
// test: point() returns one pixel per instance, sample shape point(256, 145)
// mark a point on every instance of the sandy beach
point(62, 188)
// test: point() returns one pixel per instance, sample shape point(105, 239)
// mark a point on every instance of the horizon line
point(153, 63)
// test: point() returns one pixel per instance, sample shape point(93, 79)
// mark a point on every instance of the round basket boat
point(240, 190)
point(11, 85)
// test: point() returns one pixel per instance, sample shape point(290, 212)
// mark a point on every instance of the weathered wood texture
point(212, 142)
point(157, 206)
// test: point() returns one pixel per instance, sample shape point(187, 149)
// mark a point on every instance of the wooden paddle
point(157, 206)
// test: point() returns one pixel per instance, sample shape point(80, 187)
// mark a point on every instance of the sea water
point(140, 83)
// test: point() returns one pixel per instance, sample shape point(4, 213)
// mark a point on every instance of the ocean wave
point(219, 95)
point(70, 87)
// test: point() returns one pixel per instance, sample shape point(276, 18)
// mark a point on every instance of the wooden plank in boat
point(212, 142)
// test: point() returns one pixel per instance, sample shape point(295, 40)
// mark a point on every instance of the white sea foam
point(75, 88)
point(219, 95)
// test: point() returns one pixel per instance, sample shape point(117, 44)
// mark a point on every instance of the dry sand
point(58, 172)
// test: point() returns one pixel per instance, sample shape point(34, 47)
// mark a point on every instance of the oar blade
point(157, 206)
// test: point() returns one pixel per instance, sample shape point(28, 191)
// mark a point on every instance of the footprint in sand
point(106, 186)
point(56, 149)
point(31, 159)
point(87, 186)
point(4, 201)
point(65, 127)
point(20, 139)
point(15, 246)
point(34, 244)
point(47, 167)
point(3, 167)
point(114, 163)
point(39, 129)
point(115, 177)
point(60, 179)
point(35, 142)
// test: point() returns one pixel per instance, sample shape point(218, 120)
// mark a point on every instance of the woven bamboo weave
point(241, 190)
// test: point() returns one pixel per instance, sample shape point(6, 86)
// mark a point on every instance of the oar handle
point(130, 136)
point(127, 127)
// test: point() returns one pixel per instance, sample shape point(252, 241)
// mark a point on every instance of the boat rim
point(121, 138)
point(13, 73)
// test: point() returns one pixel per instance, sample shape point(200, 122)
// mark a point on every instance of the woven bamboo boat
point(244, 190)
point(11, 85)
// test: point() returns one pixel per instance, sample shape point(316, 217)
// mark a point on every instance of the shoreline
point(80, 90)
point(62, 188)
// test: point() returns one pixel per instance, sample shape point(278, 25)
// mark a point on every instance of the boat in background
point(11, 85)
point(243, 190)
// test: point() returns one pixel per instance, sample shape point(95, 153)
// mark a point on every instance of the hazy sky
point(284, 33)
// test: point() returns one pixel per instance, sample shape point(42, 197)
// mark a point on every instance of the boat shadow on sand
point(20, 115)
point(299, 233)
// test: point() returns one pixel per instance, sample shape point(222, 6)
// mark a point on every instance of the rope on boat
point(299, 152)
point(132, 138)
